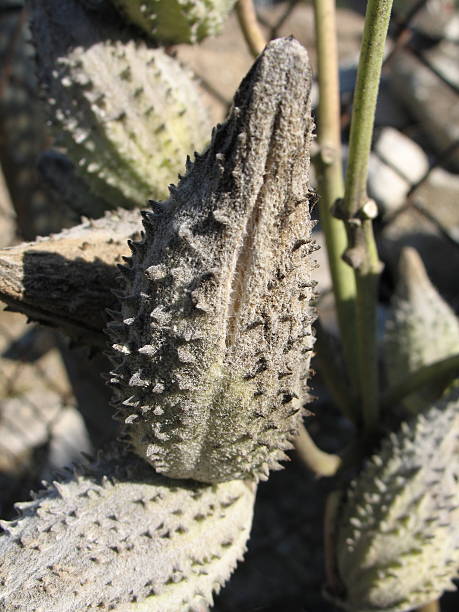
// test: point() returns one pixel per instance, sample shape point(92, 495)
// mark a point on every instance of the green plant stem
point(433, 606)
point(330, 179)
point(357, 211)
point(250, 27)
point(432, 373)
point(316, 460)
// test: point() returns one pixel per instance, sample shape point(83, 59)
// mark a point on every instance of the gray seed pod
point(126, 114)
point(422, 329)
point(117, 536)
point(213, 342)
point(66, 280)
point(398, 535)
point(177, 21)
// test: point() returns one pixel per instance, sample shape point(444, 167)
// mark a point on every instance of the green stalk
point(250, 27)
point(330, 179)
point(318, 461)
point(358, 211)
point(442, 370)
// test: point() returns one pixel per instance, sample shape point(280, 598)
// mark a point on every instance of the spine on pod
point(422, 329)
point(114, 535)
point(127, 114)
point(212, 345)
point(398, 533)
point(176, 21)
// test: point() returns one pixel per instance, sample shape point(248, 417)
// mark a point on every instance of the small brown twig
point(403, 33)
point(274, 31)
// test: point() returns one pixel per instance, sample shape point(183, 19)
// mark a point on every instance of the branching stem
point(357, 211)
point(330, 178)
point(316, 460)
point(250, 27)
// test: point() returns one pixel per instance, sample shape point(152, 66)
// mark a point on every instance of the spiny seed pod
point(126, 114)
point(66, 280)
point(422, 329)
point(398, 537)
point(115, 535)
point(215, 337)
point(177, 21)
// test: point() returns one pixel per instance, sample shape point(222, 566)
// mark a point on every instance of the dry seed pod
point(116, 535)
point(213, 341)
point(422, 329)
point(66, 280)
point(126, 114)
point(398, 536)
point(177, 21)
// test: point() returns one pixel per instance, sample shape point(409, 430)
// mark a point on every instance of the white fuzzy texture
point(117, 535)
point(127, 114)
point(177, 21)
point(422, 329)
point(398, 534)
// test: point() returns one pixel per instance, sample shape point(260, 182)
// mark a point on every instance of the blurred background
point(51, 393)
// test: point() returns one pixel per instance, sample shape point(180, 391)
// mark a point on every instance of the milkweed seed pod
point(126, 114)
point(177, 21)
point(398, 536)
point(66, 280)
point(116, 536)
point(422, 329)
point(213, 342)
